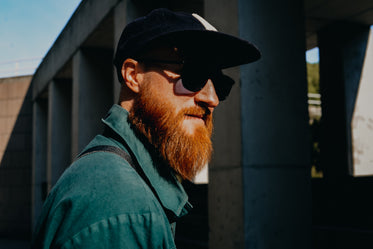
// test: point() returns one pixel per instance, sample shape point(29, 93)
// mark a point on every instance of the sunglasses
point(194, 77)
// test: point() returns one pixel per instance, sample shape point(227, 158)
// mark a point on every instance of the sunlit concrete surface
point(362, 122)
point(203, 176)
point(12, 94)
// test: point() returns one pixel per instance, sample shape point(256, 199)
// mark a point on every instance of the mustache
point(197, 111)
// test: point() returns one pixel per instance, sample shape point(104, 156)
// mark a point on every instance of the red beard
point(155, 118)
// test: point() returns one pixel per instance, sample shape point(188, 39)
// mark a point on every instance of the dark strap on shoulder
point(134, 164)
point(111, 149)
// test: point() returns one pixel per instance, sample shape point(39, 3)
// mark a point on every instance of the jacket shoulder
point(93, 189)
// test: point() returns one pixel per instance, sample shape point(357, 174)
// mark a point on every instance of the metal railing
point(19, 67)
point(314, 99)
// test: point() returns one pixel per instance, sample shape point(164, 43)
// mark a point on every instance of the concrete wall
point(15, 157)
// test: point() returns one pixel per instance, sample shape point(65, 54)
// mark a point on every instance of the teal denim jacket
point(101, 202)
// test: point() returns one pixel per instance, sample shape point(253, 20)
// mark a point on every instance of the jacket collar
point(168, 188)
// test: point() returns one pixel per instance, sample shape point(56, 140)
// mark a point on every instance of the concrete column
point(92, 94)
point(39, 160)
point(225, 189)
point(275, 131)
point(59, 129)
point(342, 49)
point(120, 21)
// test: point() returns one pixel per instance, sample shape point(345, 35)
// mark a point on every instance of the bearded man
point(124, 189)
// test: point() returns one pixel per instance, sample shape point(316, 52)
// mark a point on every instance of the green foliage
point(313, 77)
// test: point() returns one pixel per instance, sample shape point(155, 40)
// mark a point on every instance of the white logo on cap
point(205, 23)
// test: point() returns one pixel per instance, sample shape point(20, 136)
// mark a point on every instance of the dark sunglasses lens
point(223, 85)
point(193, 79)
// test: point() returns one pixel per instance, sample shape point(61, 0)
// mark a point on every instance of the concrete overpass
point(259, 191)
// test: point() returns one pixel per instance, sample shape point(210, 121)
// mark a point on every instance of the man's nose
point(207, 95)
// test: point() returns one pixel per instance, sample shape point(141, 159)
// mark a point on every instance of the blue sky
point(28, 28)
point(312, 55)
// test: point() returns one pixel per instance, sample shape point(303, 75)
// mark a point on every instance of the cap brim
point(221, 49)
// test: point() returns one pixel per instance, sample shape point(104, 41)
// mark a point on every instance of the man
point(124, 190)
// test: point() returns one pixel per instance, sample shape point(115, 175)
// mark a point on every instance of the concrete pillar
point(92, 94)
point(120, 21)
point(59, 129)
point(342, 49)
point(225, 189)
point(275, 131)
point(39, 160)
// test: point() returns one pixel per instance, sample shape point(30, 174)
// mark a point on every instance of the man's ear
point(131, 74)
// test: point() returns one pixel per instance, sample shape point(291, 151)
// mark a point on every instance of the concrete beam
point(83, 22)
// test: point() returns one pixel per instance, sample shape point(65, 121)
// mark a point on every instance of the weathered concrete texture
point(342, 49)
point(227, 128)
point(15, 157)
point(225, 176)
point(59, 129)
point(225, 208)
point(92, 94)
point(275, 132)
point(362, 120)
point(274, 208)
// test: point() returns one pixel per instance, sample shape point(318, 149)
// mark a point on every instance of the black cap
point(190, 32)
